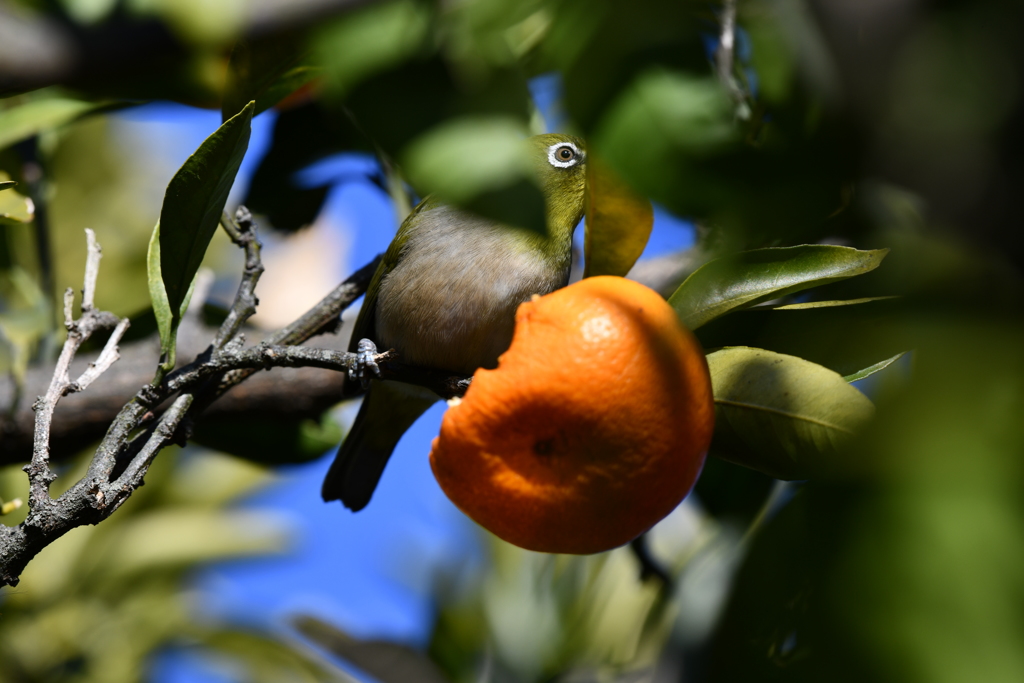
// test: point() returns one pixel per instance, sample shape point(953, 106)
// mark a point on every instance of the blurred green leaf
point(266, 71)
point(618, 222)
point(107, 598)
point(386, 661)
point(661, 123)
point(823, 335)
point(479, 163)
point(88, 11)
point(904, 565)
point(872, 369)
point(269, 440)
point(8, 356)
point(302, 135)
point(399, 105)
point(763, 634)
point(15, 208)
point(370, 40)
point(772, 55)
point(731, 492)
point(181, 536)
point(7, 507)
point(202, 26)
point(37, 115)
point(465, 157)
point(262, 658)
point(25, 320)
point(734, 282)
point(541, 617)
point(193, 205)
point(602, 48)
point(779, 414)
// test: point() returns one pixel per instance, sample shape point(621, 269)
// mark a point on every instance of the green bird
point(445, 296)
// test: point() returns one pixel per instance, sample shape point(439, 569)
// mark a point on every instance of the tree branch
point(242, 231)
point(295, 394)
point(39, 473)
point(121, 461)
point(725, 58)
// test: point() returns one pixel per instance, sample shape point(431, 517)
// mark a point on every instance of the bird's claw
point(365, 368)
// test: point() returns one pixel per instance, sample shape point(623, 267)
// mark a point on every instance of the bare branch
point(39, 473)
point(160, 436)
point(120, 463)
point(107, 357)
point(265, 356)
point(92, 270)
point(242, 231)
point(69, 307)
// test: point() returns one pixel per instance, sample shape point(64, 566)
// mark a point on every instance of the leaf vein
point(784, 413)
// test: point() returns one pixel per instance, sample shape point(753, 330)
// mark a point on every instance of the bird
point(445, 297)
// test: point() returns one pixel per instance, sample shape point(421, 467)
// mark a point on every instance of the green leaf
point(88, 11)
point(25, 320)
point(266, 71)
point(831, 304)
point(165, 319)
point(302, 135)
point(270, 440)
point(750, 277)
point(371, 40)
point(462, 158)
point(193, 205)
point(662, 124)
point(479, 163)
point(15, 208)
point(872, 369)
point(38, 115)
point(825, 335)
point(618, 224)
point(183, 536)
point(781, 415)
point(386, 661)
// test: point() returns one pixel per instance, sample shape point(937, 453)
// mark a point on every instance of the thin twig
point(725, 59)
point(92, 270)
point(161, 435)
point(321, 318)
point(265, 356)
point(39, 473)
point(242, 231)
point(107, 357)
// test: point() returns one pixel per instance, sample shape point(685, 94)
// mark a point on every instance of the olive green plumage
point(445, 297)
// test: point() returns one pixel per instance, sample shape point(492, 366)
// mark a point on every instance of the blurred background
point(869, 124)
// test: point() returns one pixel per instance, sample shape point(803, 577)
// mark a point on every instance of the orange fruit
point(592, 428)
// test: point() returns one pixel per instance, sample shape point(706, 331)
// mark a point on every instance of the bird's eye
point(564, 155)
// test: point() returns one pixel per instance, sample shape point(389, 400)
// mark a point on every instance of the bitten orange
point(593, 427)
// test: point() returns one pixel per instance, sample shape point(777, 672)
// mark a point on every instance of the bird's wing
point(366, 321)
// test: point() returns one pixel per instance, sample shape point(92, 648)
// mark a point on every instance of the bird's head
point(560, 162)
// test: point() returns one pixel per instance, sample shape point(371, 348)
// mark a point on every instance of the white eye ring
point(558, 163)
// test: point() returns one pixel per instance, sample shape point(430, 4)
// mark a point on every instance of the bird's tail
point(388, 410)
